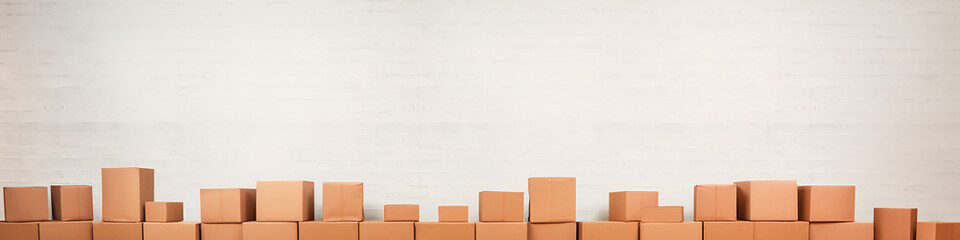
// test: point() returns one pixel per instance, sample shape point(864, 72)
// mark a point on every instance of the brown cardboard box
point(117, 231)
point(164, 211)
point(125, 191)
point(501, 207)
point(72, 202)
point(19, 231)
point(25, 204)
point(662, 214)
point(781, 231)
point(956, 232)
point(935, 230)
point(767, 200)
point(73, 230)
point(671, 231)
point(715, 202)
point(841, 231)
point(221, 231)
point(552, 231)
point(894, 223)
point(171, 231)
point(314, 230)
point(284, 201)
point(377, 230)
point(342, 201)
point(609, 230)
point(626, 205)
point(454, 213)
point(728, 230)
point(827, 203)
point(553, 199)
point(502, 231)
point(445, 231)
point(401, 213)
point(228, 205)
point(270, 231)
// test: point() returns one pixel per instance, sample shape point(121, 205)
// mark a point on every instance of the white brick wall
point(432, 101)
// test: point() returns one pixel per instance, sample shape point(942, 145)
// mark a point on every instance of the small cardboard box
point(627, 205)
point(501, 207)
point(228, 205)
point(314, 230)
point(767, 200)
point(827, 203)
point(662, 214)
point(72, 202)
point(125, 191)
point(502, 231)
point(164, 212)
point(935, 230)
point(894, 223)
point(552, 231)
point(401, 213)
point(604, 230)
point(377, 230)
point(26, 204)
point(342, 201)
point(553, 199)
point(454, 213)
point(781, 231)
point(727, 230)
point(715, 202)
point(19, 231)
point(445, 231)
point(270, 231)
point(221, 231)
point(117, 231)
point(841, 231)
point(171, 231)
point(279, 201)
point(59, 230)
point(672, 231)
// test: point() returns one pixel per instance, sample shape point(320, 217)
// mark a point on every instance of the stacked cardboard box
point(895, 223)
point(280, 207)
point(501, 216)
point(453, 224)
point(125, 192)
point(830, 211)
point(342, 213)
point(224, 210)
point(398, 223)
point(164, 221)
point(553, 208)
point(639, 214)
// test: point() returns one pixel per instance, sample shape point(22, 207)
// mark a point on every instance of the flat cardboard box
point(401, 213)
point(552, 231)
point(841, 231)
point(553, 199)
point(604, 230)
point(445, 231)
point(453, 213)
point(72, 230)
point(164, 211)
point(728, 230)
point(117, 231)
point(377, 230)
point(228, 205)
point(715, 202)
point(935, 230)
point(781, 231)
point(171, 231)
point(315, 230)
point(501, 231)
point(627, 205)
point(19, 231)
point(72, 202)
point(270, 231)
point(767, 200)
point(221, 231)
point(671, 231)
point(501, 206)
point(824, 203)
point(662, 214)
point(125, 191)
point(279, 201)
point(894, 223)
point(342, 201)
point(25, 204)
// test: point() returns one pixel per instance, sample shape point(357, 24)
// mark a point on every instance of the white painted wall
point(432, 101)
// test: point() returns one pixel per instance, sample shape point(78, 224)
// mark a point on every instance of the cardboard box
point(171, 231)
point(956, 232)
point(125, 191)
point(221, 231)
point(164, 211)
point(270, 231)
point(25, 204)
point(715, 202)
point(894, 223)
point(228, 205)
point(329, 230)
point(827, 203)
point(781, 231)
point(454, 213)
point(19, 231)
point(72, 202)
point(663, 214)
point(552, 231)
point(117, 231)
point(672, 231)
point(502, 231)
point(445, 231)
point(59, 230)
point(553, 199)
point(342, 201)
point(279, 201)
point(626, 206)
point(501, 206)
point(377, 230)
point(935, 230)
point(401, 213)
point(841, 231)
point(767, 200)
point(727, 230)
point(608, 230)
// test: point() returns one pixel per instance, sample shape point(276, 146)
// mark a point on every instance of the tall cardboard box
point(125, 191)
point(401, 213)
point(171, 231)
point(841, 231)
point(72, 202)
point(894, 223)
point(672, 231)
point(117, 231)
point(552, 231)
point(19, 231)
point(603, 230)
point(715, 202)
point(453, 213)
point(221, 231)
point(25, 204)
point(314, 230)
point(501, 206)
point(501, 231)
point(270, 231)
point(279, 201)
point(935, 230)
point(727, 230)
point(164, 211)
point(445, 231)
point(377, 230)
point(228, 205)
point(627, 205)
point(767, 200)
point(662, 214)
point(553, 199)
point(781, 231)
point(72, 230)
point(824, 203)
point(342, 201)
